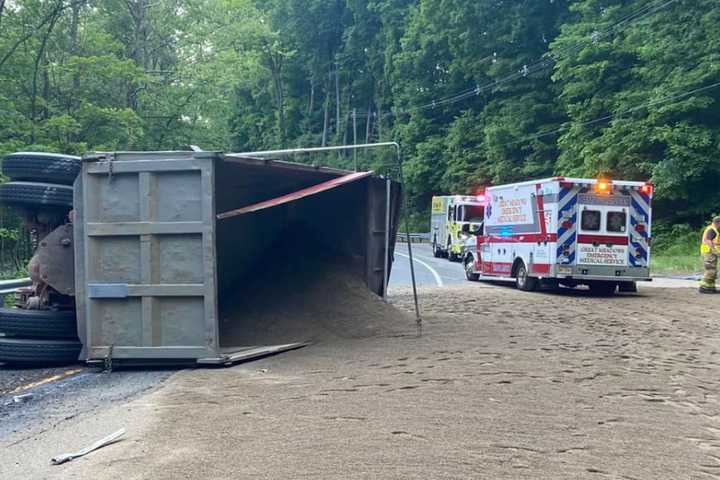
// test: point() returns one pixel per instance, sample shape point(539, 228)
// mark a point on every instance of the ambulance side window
point(590, 220)
point(616, 222)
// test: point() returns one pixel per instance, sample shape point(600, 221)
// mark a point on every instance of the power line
point(540, 65)
point(613, 115)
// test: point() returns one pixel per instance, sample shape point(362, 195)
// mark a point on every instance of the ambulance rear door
point(604, 224)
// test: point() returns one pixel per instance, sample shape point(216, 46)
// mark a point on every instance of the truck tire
point(603, 289)
point(437, 253)
point(33, 195)
point(468, 264)
point(34, 352)
point(450, 255)
point(523, 281)
point(51, 324)
point(41, 167)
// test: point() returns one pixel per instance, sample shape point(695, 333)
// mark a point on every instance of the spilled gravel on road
point(502, 384)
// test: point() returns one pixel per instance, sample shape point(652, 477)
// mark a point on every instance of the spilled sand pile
point(312, 298)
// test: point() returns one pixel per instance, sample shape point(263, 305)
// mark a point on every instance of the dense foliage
point(477, 92)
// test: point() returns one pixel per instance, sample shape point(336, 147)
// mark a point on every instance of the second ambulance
point(567, 231)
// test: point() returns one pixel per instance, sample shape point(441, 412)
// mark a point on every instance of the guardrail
point(9, 286)
point(414, 237)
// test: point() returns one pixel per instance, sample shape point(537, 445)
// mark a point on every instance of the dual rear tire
point(40, 186)
point(34, 352)
point(32, 337)
point(41, 167)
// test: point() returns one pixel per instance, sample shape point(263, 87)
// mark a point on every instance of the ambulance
point(563, 231)
point(449, 216)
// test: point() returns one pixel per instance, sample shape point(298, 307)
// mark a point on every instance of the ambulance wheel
point(627, 287)
point(525, 282)
point(469, 273)
point(603, 289)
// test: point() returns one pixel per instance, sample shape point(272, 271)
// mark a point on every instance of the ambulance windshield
point(472, 213)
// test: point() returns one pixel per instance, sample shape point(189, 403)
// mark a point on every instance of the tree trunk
point(138, 47)
point(311, 106)
point(2, 9)
point(36, 71)
point(73, 49)
point(50, 17)
point(368, 121)
point(275, 71)
point(379, 123)
point(348, 117)
point(326, 118)
point(337, 101)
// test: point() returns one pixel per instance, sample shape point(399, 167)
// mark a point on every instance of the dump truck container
point(161, 235)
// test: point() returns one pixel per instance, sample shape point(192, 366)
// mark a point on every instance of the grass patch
point(676, 250)
point(675, 264)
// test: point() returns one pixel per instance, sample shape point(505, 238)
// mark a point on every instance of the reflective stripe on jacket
point(704, 248)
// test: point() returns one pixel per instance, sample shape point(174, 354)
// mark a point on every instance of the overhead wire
point(544, 63)
point(665, 99)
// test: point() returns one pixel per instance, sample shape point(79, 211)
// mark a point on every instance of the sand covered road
point(502, 384)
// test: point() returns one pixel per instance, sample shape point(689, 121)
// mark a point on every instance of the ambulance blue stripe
point(569, 242)
point(564, 192)
point(638, 208)
point(570, 204)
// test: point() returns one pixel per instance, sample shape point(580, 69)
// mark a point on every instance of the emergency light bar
point(603, 186)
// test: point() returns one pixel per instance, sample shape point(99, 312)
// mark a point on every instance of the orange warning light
point(602, 186)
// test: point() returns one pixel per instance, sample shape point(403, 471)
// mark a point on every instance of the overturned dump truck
point(168, 244)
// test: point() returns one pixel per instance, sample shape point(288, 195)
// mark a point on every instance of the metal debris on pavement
point(66, 457)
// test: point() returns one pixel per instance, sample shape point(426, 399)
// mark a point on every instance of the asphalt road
point(429, 271)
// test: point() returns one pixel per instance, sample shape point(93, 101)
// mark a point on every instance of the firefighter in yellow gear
point(710, 250)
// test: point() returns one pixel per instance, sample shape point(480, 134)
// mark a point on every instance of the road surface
point(429, 271)
point(502, 384)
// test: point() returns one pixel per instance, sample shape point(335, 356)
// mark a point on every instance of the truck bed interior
point(267, 256)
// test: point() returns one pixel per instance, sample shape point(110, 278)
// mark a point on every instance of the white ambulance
point(451, 214)
point(567, 231)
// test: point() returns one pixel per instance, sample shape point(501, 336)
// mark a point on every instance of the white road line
point(438, 280)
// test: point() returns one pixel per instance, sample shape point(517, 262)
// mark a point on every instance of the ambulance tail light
point(638, 253)
point(640, 228)
point(567, 224)
point(566, 250)
point(647, 189)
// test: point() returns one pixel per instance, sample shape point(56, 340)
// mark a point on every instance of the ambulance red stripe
point(520, 238)
point(603, 239)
